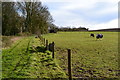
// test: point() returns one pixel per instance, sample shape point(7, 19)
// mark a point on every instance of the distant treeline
point(85, 29)
point(71, 29)
point(30, 17)
point(111, 30)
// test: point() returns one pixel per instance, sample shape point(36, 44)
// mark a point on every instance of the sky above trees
point(93, 14)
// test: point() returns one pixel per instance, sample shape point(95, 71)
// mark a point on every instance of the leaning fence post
point(47, 45)
point(53, 49)
point(69, 64)
point(39, 37)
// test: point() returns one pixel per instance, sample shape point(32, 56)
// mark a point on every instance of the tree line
point(70, 29)
point(30, 17)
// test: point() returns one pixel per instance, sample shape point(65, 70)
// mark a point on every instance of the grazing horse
point(98, 36)
point(92, 35)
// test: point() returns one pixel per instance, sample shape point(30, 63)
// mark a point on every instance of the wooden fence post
point(53, 49)
point(47, 48)
point(69, 64)
point(39, 37)
point(44, 41)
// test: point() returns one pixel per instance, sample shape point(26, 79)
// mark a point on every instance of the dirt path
point(7, 41)
point(14, 39)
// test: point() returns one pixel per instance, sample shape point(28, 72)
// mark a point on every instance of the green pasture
point(27, 58)
point(90, 57)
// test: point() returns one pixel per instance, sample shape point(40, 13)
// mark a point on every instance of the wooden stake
point(47, 48)
point(69, 64)
point(44, 42)
point(53, 49)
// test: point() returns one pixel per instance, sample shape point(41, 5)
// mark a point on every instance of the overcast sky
point(92, 14)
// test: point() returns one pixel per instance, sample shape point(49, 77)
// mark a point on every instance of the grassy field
point(90, 57)
point(27, 58)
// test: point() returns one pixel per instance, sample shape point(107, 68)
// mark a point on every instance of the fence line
point(51, 47)
point(48, 46)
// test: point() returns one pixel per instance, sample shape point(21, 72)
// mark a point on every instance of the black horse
point(92, 35)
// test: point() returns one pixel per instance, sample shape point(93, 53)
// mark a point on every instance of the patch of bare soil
point(14, 39)
point(7, 41)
